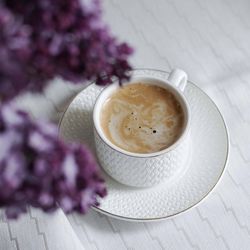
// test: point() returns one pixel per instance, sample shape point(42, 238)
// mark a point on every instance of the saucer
point(210, 147)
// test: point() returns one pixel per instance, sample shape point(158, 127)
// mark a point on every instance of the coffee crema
point(142, 118)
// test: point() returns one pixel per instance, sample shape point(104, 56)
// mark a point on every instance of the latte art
point(142, 118)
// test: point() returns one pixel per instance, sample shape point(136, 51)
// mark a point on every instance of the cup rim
point(114, 85)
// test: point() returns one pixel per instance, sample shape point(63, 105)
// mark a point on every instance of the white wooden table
point(210, 40)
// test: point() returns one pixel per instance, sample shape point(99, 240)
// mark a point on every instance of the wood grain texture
point(210, 41)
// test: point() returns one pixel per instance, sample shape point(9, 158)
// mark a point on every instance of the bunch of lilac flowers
point(38, 169)
point(43, 38)
point(39, 40)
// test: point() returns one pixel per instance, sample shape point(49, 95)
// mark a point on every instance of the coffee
point(142, 118)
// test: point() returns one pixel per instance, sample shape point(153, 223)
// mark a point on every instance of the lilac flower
point(42, 39)
point(39, 40)
point(38, 169)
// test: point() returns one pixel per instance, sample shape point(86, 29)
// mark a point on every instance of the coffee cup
point(144, 169)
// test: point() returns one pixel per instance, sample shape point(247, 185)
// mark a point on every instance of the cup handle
point(178, 78)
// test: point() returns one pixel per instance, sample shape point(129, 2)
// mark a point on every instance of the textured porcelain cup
point(148, 169)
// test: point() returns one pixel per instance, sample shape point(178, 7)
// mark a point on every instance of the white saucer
point(209, 156)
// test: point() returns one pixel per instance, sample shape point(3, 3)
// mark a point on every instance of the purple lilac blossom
point(39, 169)
point(41, 39)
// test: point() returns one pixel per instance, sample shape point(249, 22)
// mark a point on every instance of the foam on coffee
point(142, 118)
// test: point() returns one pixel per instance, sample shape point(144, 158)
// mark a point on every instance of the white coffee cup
point(147, 169)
